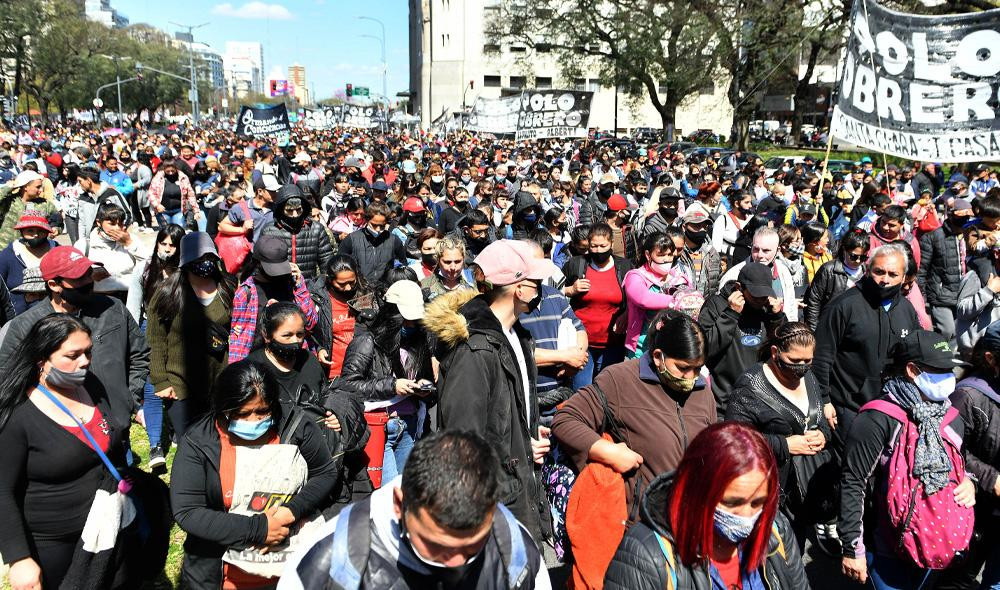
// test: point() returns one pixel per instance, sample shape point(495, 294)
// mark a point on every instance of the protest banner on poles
point(362, 117)
point(553, 113)
point(324, 117)
point(921, 87)
point(264, 122)
point(495, 115)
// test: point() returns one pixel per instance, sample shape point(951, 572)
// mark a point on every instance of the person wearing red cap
point(487, 379)
point(120, 354)
point(26, 252)
point(24, 192)
point(622, 238)
point(412, 222)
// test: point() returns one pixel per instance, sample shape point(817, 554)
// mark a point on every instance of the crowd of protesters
point(416, 360)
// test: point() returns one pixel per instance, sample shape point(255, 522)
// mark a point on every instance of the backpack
point(233, 249)
point(929, 531)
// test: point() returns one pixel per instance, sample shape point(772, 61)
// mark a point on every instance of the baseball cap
point(928, 349)
point(866, 160)
point(31, 281)
point(267, 181)
point(413, 205)
point(669, 193)
point(302, 157)
point(25, 177)
point(609, 178)
point(409, 167)
point(757, 279)
point(272, 254)
point(380, 186)
point(353, 163)
point(807, 209)
point(195, 245)
point(696, 213)
point(961, 205)
point(64, 262)
point(408, 298)
point(32, 218)
point(617, 203)
point(506, 262)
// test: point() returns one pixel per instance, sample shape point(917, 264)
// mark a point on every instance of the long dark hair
point(156, 267)
point(22, 372)
point(241, 382)
point(173, 291)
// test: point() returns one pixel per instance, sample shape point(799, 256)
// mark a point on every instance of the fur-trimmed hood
point(443, 317)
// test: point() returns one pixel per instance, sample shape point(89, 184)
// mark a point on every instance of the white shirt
point(515, 343)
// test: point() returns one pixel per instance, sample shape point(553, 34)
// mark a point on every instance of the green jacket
point(12, 207)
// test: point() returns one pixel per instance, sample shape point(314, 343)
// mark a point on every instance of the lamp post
point(385, 66)
point(117, 84)
point(195, 107)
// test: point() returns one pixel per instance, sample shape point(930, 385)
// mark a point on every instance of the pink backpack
point(928, 530)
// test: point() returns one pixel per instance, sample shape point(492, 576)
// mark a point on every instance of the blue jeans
point(891, 573)
point(400, 433)
point(152, 409)
point(600, 359)
point(176, 217)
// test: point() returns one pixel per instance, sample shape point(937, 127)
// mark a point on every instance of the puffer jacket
point(941, 264)
point(639, 563)
point(708, 280)
point(829, 281)
point(309, 247)
point(322, 335)
point(371, 367)
point(978, 402)
point(591, 209)
point(978, 306)
point(480, 389)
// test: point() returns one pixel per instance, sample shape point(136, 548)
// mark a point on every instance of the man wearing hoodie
point(487, 380)
point(439, 525)
point(308, 242)
point(527, 213)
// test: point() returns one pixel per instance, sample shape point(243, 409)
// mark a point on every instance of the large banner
point(494, 115)
point(363, 117)
point(553, 113)
point(921, 87)
point(323, 117)
point(264, 122)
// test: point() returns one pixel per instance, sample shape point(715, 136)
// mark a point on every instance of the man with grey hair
point(765, 251)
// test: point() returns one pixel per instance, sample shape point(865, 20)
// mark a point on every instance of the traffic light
point(350, 89)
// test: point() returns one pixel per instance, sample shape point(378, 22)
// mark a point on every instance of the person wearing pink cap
point(487, 378)
point(25, 252)
point(22, 193)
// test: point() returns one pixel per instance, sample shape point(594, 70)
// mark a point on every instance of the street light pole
point(195, 106)
point(385, 65)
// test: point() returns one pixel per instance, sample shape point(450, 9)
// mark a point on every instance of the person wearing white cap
point(487, 376)
point(24, 192)
point(389, 366)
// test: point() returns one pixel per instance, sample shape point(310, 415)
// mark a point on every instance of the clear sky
point(323, 35)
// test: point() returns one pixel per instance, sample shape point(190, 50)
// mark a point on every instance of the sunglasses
point(857, 257)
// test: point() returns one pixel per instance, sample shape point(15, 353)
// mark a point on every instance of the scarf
point(931, 464)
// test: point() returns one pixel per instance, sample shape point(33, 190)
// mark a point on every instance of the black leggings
point(182, 413)
point(142, 215)
point(54, 558)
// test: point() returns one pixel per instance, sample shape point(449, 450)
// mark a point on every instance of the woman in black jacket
point(278, 349)
point(245, 477)
point(837, 275)
point(389, 366)
point(780, 398)
point(701, 532)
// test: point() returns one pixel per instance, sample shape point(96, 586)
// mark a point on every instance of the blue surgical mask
point(733, 527)
point(248, 430)
point(937, 387)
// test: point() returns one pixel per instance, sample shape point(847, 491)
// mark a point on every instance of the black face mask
point(668, 213)
point(877, 292)
point(697, 237)
point(78, 296)
point(171, 177)
point(417, 220)
point(294, 223)
point(797, 369)
point(35, 241)
point(286, 351)
point(476, 244)
point(599, 257)
point(450, 577)
point(461, 205)
point(535, 301)
point(429, 260)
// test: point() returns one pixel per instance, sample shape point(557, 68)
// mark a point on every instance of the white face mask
point(935, 386)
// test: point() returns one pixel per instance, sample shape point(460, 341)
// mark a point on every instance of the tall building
point(297, 78)
point(243, 65)
point(449, 51)
point(208, 62)
point(102, 12)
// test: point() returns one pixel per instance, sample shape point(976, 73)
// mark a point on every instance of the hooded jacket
point(977, 307)
point(480, 389)
point(853, 339)
point(524, 201)
point(308, 243)
point(198, 505)
point(639, 563)
point(942, 259)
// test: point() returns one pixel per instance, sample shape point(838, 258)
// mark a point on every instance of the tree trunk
point(802, 87)
point(668, 118)
point(19, 68)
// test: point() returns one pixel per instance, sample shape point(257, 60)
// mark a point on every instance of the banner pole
point(826, 162)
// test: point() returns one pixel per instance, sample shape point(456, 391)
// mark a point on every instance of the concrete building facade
point(452, 63)
point(243, 68)
point(101, 11)
point(297, 78)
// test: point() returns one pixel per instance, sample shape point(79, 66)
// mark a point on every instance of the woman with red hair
point(710, 195)
point(713, 523)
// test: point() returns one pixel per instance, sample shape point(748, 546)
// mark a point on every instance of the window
point(708, 89)
point(491, 48)
point(579, 83)
point(593, 85)
point(517, 82)
point(543, 13)
point(543, 83)
point(543, 47)
point(445, 40)
point(491, 81)
point(518, 49)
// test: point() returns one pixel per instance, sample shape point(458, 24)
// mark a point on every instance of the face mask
point(675, 383)
point(35, 241)
point(661, 268)
point(697, 237)
point(881, 293)
point(500, 177)
point(449, 576)
point(250, 430)
point(429, 260)
point(668, 213)
point(373, 233)
point(203, 268)
point(286, 351)
point(294, 223)
point(733, 527)
point(599, 257)
point(437, 179)
point(795, 251)
point(171, 177)
point(466, 179)
point(530, 219)
point(746, 210)
point(935, 386)
point(461, 205)
point(65, 379)
point(797, 369)
point(79, 296)
point(958, 222)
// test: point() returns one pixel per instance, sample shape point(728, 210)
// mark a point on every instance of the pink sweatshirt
point(644, 299)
